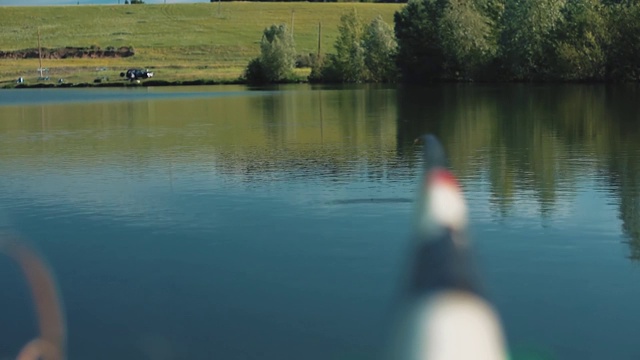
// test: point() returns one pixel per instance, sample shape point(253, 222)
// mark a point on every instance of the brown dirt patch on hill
point(93, 52)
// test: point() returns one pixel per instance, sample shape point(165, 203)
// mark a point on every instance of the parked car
point(137, 74)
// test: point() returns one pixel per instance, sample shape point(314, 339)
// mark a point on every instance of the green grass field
point(211, 41)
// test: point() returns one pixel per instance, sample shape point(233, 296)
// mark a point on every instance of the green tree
point(444, 39)
point(623, 55)
point(620, 2)
point(468, 39)
point(527, 42)
point(348, 61)
point(380, 46)
point(581, 40)
point(420, 54)
point(277, 56)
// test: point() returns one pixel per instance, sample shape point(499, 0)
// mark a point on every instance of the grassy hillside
point(178, 41)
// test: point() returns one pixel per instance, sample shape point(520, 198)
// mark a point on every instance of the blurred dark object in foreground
point(50, 344)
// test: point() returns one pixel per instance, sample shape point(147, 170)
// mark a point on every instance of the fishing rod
point(444, 315)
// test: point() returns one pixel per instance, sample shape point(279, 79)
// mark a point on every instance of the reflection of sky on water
point(147, 195)
point(61, 96)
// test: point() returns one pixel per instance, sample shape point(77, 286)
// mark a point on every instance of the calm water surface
point(217, 222)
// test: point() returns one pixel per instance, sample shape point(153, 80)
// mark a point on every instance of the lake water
point(224, 223)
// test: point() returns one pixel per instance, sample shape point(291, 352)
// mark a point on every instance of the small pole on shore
point(293, 15)
point(319, 38)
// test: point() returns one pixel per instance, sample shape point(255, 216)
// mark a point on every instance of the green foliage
point(467, 38)
point(494, 10)
point(620, 2)
point(277, 57)
point(624, 51)
point(277, 52)
point(420, 55)
point(255, 72)
point(447, 39)
point(581, 39)
point(380, 47)
point(306, 60)
point(363, 53)
point(348, 61)
point(527, 42)
point(137, 2)
point(519, 40)
point(316, 70)
point(326, 70)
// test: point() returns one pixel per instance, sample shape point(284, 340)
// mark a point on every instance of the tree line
point(475, 40)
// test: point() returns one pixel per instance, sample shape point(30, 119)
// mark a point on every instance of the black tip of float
point(433, 154)
point(438, 263)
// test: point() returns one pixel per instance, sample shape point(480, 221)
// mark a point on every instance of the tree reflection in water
point(536, 139)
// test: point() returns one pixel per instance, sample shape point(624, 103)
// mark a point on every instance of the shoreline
point(197, 82)
point(148, 83)
point(124, 84)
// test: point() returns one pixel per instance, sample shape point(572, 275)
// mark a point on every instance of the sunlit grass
point(205, 40)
